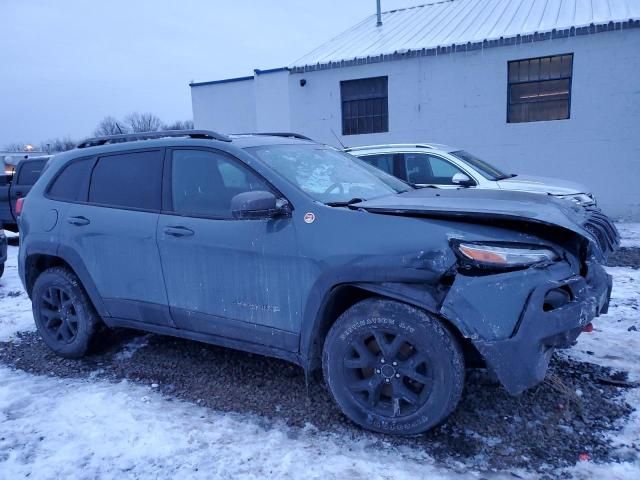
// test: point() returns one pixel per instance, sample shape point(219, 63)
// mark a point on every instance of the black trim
point(140, 311)
point(235, 329)
point(132, 137)
point(207, 338)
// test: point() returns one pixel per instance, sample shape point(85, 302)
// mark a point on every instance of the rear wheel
point(1, 269)
point(64, 315)
point(393, 368)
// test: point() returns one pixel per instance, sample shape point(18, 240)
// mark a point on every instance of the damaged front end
point(517, 302)
point(517, 319)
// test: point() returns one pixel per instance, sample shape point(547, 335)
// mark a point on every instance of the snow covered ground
point(59, 428)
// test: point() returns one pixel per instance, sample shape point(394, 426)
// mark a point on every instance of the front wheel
point(64, 315)
point(392, 368)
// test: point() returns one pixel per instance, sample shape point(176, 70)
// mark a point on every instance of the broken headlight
point(504, 255)
point(582, 199)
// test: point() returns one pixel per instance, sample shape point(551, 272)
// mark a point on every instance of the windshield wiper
point(345, 204)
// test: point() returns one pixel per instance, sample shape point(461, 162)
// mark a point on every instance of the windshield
point(328, 175)
point(487, 170)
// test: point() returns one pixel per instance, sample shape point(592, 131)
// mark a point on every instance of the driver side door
point(229, 277)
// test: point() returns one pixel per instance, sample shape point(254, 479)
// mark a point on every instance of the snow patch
point(16, 315)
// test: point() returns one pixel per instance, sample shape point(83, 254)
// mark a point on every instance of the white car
point(442, 166)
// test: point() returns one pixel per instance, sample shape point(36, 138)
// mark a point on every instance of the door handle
point(79, 221)
point(178, 231)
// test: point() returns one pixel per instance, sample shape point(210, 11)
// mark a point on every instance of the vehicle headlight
point(582, 199)
point(504, 256)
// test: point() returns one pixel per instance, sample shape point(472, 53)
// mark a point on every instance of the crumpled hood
point(554, 186)
point(478, 204)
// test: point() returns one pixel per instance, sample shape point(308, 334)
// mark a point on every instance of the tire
point(1, 269)
point(410, 384)
point(64, 314)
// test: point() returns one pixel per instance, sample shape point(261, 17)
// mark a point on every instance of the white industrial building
point(546, 87)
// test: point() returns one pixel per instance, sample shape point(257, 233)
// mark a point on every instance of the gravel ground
point(625, 257)
point(544, 429)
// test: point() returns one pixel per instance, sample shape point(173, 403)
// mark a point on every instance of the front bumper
point(521, 361)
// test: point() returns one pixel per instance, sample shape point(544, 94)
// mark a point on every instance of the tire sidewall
point(86, 317)
point(426, 333)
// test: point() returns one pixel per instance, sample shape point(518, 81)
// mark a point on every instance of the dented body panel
point(266, 284)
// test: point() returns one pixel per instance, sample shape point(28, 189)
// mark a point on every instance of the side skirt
point(218, 340)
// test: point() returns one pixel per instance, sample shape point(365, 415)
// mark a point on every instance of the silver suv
point(442, 166)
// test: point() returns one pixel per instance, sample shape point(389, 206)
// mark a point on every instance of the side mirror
point(462, 180)
point(258, 204)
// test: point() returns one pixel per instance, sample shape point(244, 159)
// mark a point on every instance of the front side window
point(365, 106)
point(540, 89)
point(423, 169)
point(204, 182)
point(488, 171)
point(129, 180)
point(328, 175)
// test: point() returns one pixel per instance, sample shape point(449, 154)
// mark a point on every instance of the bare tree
point(179, 125)
point(109, 126)
point(15, 147)
point(57, 145)
point(142, 122)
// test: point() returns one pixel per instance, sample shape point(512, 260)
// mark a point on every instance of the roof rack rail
point(278, 134)
point(132, 137)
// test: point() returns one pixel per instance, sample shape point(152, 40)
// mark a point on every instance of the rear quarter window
point(30, 172)
point(70, 184)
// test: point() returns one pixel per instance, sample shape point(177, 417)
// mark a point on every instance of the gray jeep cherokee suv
point(277, 245)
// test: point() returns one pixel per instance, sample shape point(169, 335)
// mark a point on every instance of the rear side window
point(71, 184)
point(30, 172)
point(383, 161)
point(129, 180)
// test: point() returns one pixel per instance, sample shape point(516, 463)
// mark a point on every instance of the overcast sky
point(65, 64)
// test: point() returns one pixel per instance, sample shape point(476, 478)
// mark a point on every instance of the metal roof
point(460, 25)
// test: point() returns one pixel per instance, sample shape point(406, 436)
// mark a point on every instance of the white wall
point(461, 99)
point(272, 101)
point(226, 107)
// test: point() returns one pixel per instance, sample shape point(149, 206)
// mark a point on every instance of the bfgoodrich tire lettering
point(64, 315)
point(393, 368)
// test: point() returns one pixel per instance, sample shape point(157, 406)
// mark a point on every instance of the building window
point(365, 106)
point(540, 89)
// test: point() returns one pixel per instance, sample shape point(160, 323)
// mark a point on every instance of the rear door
point(387, 162)
point(26, 175)
point(111, 228)
point(229, 277)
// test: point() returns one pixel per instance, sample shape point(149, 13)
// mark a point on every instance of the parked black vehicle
point(3, 251)
point(17, 185)
point(284, 247)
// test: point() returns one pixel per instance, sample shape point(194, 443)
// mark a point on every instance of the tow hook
point(588, 328)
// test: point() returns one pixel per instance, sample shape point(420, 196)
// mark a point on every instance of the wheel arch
point(37, 262)
point(341, 297)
